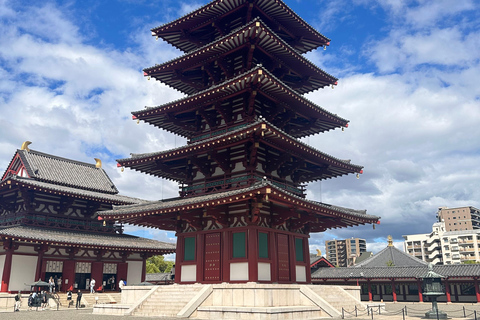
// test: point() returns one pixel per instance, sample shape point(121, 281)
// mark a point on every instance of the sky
point(409, 74)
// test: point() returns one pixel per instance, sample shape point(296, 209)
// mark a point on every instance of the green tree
point(390, 263)
point(470, 262)
point(157, 264)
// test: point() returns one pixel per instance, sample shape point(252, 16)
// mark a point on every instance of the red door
point(283, 259)
point(212, 257)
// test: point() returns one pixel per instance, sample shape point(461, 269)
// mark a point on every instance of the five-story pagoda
point(242, 214)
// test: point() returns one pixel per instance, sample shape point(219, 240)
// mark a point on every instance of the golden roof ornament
point(25, 146)
point(98, 163)
point(390, 241)
point(319, 253)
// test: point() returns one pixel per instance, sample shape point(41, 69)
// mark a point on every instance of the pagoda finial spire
point(390, 241)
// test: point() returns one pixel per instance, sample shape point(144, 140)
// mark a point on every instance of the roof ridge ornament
point(98, 163)
point(390, 241)
point(25, 146)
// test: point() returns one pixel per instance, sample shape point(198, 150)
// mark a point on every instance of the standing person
point(120, 285)
point(44, 299)
point(92, 286)
point(55, 284)
point(69, 298)
point(79, 299)
point(18, 301)
point(51, 284)
point(59, 284)
point(172, 272)
point(112, 283)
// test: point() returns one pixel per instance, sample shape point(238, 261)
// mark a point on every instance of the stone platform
point(236, 301)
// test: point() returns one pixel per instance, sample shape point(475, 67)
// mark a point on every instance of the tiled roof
point(391, 255)
point(278, 11)
point(363, 256)
point(155, 277)
point(120, 241)
point(65, 172)
point(447, 271)
point(75, 192)
point(356, 215)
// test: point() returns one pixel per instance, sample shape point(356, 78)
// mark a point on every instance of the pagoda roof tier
point(165, 214)
point(302, 116)
point(61, 171)
point(54, 189)
point(241, 50)
point(83, 239)
point(220, 16)
point(172, 164)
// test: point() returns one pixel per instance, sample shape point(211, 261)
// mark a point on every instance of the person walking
point(18, 301)
point(79, 299)
point(120, 285)
point(92, 286)
point(51, 284)
point(69, 298)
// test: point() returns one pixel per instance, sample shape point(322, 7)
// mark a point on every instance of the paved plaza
point(393, 312)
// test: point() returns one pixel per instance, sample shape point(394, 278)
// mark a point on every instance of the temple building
point(242, 214)
point(50, 227)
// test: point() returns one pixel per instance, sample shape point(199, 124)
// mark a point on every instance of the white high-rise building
point(444, 247)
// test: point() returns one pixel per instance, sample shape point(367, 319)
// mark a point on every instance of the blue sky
point(70, 74)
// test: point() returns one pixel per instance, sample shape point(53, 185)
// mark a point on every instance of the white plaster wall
point(301, 273)
point(189, 273)
point(2, 262)
point(26, 249)
point(23, 272)
point(264, 271)
point(239, 271)
point(134, 272)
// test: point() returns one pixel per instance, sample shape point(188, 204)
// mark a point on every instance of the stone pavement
point(415, 311)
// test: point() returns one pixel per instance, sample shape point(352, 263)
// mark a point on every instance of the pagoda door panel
point(212, 257)
point(97, 274)
point(68, 275)
point(283, 258)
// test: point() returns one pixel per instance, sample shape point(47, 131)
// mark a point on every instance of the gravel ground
point(414, 312)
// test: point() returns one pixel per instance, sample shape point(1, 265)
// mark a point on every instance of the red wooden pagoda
point(242, 214)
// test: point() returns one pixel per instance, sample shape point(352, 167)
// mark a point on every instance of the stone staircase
point(87, 299)
point(338, 297)
point(167, 301)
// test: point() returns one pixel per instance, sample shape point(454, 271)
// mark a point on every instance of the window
point(263, 245)
point(239, 245)
point(299, 249)
point(189, 249)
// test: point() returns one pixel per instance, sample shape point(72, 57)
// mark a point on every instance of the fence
point(406, 312)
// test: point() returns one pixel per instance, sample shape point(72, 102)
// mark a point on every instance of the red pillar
point(420, 295)
point(38, 270)
point(144, 267)
point(226, 249)
point(394, 291)
point(252, 255)
point(97, 274)
point(7, 268)
point(477, 290)
point(68, 275)
point(447, 291)
point(122, 269)
point(369, 286)
point(292, 258)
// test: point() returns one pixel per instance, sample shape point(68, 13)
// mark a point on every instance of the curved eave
point(270, 135)
point(173, 32)
point(265, 83)
point(56, 190)
point(151, 214)
point(267, 42)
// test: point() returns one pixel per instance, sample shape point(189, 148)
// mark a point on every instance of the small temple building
point(393, 275)
point(242, 214)
point(50, 227)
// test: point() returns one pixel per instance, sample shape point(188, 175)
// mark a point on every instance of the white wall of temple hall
point(26, 249)
point(134, 272)
point(23, 272)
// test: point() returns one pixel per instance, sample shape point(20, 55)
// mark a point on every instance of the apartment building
point(343, 253)
point(444, 247)
point(458, 219)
